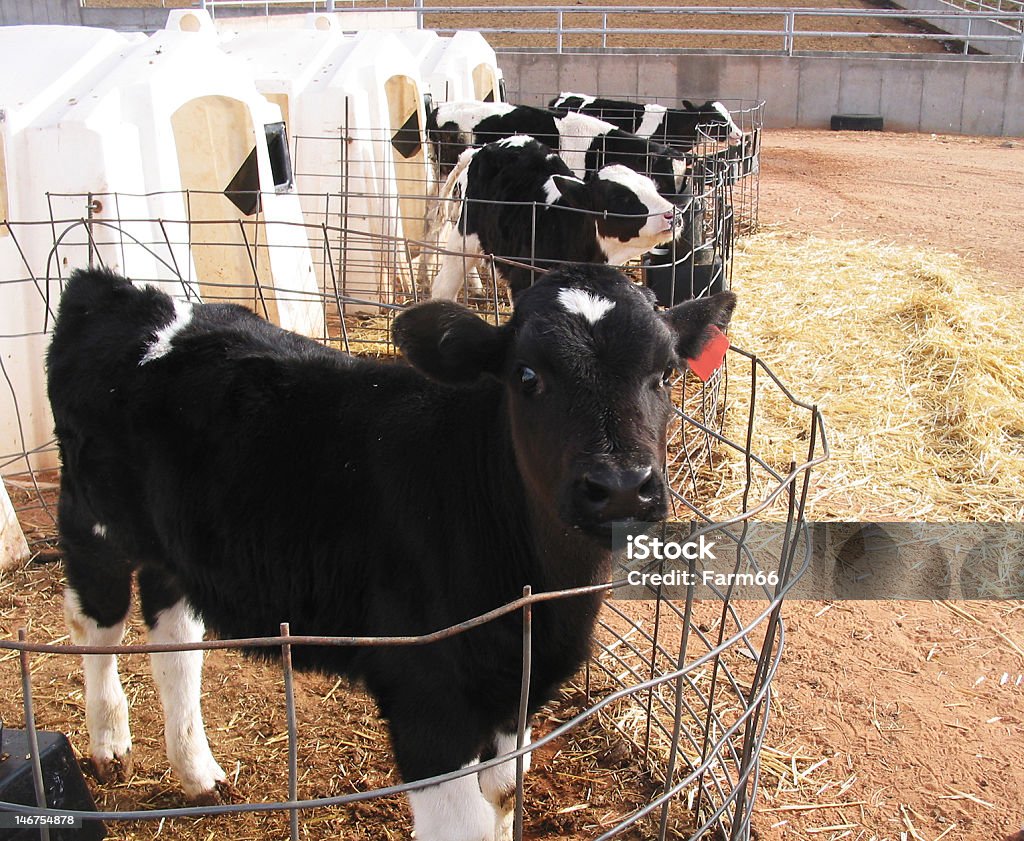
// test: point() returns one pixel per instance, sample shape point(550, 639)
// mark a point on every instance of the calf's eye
point(529, 379)
point(666, 377)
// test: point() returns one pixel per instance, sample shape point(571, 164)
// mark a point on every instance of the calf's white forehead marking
point(641, 185)
point(581, 302)
point(99, 530)
point(161, 343)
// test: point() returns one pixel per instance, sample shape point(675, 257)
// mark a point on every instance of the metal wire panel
point(690, 696)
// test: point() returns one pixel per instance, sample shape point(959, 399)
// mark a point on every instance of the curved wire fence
point(687, 697)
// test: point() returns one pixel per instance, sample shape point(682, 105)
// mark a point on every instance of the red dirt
point(907, 699)
point(953, 194)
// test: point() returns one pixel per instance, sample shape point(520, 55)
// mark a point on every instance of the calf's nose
point(675, 218)
point(616, 493)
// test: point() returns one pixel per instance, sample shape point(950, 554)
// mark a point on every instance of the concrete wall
point(20, 12)
point(70, 12)
point(948, 95)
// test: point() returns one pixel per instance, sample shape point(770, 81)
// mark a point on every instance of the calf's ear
point(449, 343)
point(575, 193)
point(690, 322)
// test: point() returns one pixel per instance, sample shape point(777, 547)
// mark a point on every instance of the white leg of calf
point(452, 811)
point(437, 231)
point(178, 676)
point(106, 708)
point(498, 784)
point(476, 284)
point(461, 258)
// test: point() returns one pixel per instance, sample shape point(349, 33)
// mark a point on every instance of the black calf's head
point(714, 118)
point(584, 361)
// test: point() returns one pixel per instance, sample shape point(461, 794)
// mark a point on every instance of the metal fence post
point(293, 746)
point(33, 739)
point(561, 22)
point(524, 707)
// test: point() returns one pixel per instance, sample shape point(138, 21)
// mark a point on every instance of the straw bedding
point(917, 368)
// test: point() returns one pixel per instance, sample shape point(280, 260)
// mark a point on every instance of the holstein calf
point(672, 126)
point(520, 201)
point(250, 476)
point(586, 144)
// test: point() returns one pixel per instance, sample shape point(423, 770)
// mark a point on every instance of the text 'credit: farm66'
point(833, 560)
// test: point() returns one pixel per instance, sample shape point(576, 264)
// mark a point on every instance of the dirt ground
point(953, 194)
point(909, 715)
point(918, 706)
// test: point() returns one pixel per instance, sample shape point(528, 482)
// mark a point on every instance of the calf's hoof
point(222, 792)
point(113, 769)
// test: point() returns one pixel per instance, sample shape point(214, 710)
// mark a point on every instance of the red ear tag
point(710, 359)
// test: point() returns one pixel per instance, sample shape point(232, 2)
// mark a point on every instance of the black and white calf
point(674, 127)
point(520, 201)
point(250, 476)
point(586, 144)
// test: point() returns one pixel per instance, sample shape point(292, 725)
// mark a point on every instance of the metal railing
point(590, 26)
point(1012, 6)
point(793, 25)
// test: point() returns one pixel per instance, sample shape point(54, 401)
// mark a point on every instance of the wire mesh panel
point(696, 129)
point(681, 685)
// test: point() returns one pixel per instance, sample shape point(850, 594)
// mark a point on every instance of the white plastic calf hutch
point(43, 73)
point(354, 108)
point(456, 68)
point(114, 130)
point(216, 137)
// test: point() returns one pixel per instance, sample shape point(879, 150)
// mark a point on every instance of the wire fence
point(359, 230)
point(692, 704)
point(689, 701)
